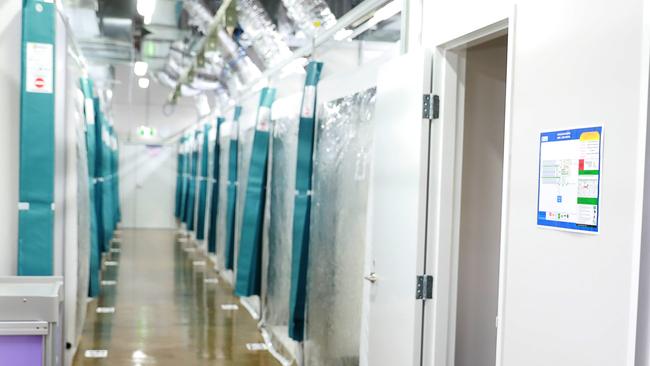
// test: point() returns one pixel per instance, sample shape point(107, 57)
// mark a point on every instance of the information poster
point(569, 179)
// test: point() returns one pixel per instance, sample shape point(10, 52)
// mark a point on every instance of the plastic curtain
point(229, 260)
point(36, 193)
point(99, 175)
point(179, 180)
point(191, 197)
point(250, 254)
point(302, 204)
point(203, 184)
point(337, 236)
point(95, 250)
point(107, 184)
point(186, 180)
point(214, 200)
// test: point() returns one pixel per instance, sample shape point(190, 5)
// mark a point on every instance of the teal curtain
point(214, 199)
point(179, 180)
point(229, 250)
point(191, 205)
point(302, 204)
point(99, 176)
point(36, 177)
point(203, 184)
point(249, 261)
point(185, 181)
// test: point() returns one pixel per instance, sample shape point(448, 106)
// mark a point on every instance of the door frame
point(446, 146)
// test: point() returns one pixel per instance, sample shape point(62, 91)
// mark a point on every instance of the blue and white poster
point(569, 179)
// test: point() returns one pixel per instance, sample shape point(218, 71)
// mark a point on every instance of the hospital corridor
point(324, 183)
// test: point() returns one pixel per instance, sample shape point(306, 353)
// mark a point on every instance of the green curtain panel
point(179, 179)
point(186, 176)
point(229, 250)
point(214, 199)
point(99, 173)
point(36, 192)
point(203, 184)
point(302, 204)
point(249, 261)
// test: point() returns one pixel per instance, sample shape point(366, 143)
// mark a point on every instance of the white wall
point(148, 186)
point(567, 299)
point(10, 23)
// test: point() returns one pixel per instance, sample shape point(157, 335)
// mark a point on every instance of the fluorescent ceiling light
point(143, 83)
point(140, 68)
point(146, 9)
point(109, 93)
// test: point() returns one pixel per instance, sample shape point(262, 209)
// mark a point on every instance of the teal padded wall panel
point(36, 177)
point(302, 204)
point(249, 260)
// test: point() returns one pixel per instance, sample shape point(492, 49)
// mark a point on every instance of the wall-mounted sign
point(569, 179)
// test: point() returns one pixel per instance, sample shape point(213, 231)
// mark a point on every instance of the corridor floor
point(165, 313)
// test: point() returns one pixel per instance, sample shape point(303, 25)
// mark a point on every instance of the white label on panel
point(264, 119)
point(39, 68)
point(109, 283)
point(308, 101)
point(211, 280)
point(229, 307)
point(110, 263)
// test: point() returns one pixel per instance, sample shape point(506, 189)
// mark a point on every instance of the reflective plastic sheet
point(284, 144)
point(338, 230)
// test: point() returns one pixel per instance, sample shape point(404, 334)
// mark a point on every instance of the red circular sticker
point(39, 83)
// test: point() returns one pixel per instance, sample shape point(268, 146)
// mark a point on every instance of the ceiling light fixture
point(146, 9)
point(140, 68)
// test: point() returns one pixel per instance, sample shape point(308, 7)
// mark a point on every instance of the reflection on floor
point(166, 313)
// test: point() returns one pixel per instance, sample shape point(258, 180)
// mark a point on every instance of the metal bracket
point(430, 106)
point(424, 288)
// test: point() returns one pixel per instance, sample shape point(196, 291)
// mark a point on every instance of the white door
point(148, 186)
point(397, 211)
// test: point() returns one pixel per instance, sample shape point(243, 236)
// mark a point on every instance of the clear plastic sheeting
point(83, 217)
point(338, 230)
point(279, 219)
point(224, 156)
point(307, 13)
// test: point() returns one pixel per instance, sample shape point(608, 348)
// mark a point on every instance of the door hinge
point(424, 288)
point(430, 106)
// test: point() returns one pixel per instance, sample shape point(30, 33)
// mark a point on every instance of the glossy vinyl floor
point(165, 312)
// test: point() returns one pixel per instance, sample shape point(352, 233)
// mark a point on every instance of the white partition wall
point(565, 298)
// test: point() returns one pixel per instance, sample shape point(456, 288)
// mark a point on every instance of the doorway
point(481, 150)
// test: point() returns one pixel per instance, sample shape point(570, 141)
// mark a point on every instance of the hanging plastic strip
point(191, 205)
point(214, 201)
point(229, 260)
point(302, 204)
point(249, 261)
point(203, 183)
point(95, 256)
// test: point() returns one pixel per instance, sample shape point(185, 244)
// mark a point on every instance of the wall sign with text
point(569, 179)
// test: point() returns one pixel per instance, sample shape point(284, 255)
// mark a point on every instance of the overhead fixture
point(342, 34)
point(143, 83)
point(140, 68)
point(386, 12)
point(109, 93)
point(146, 9)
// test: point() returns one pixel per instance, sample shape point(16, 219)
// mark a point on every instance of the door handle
point(372, 277)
